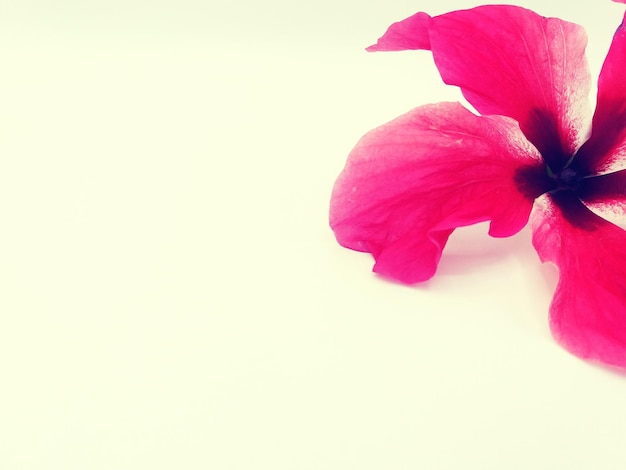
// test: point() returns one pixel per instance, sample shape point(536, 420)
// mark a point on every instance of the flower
point(532, 153)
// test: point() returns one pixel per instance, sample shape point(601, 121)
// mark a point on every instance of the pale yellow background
point(171, 296)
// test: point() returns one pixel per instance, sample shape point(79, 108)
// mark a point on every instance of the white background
point(172, 298)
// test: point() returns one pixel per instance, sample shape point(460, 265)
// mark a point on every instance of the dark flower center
point(567, 178)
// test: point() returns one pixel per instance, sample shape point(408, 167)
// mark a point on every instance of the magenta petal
point(588, 312)
point(511, 61)
point(411, 33)
point(409, 183)
point(608, 137)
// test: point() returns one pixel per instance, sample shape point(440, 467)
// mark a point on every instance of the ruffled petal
point(607, 144)
point(510, 61)
point(409, 183)
point(588, 312)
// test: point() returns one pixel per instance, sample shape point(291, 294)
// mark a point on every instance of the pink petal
point(510, 61)
point(588, 312)
point(411, 33)
point(608, 137)
point(409, 183)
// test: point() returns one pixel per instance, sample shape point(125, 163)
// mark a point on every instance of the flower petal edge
point(408, 34)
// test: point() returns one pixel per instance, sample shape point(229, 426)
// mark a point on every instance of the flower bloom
point(534, 152)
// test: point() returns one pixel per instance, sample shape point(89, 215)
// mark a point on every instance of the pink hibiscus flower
point(532, 153)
